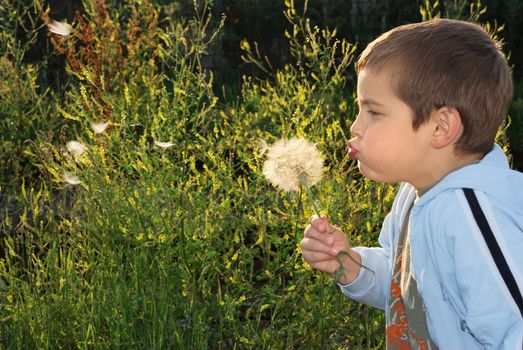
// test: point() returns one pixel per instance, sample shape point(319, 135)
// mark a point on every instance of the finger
point(312, 233)
point(320, 224)
point(328, 266)
point(334, 229)
point(315, 258)
point(323, 226)
point(314, 245)
point(314, 219)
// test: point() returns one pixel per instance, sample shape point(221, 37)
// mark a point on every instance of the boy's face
point(383, 139)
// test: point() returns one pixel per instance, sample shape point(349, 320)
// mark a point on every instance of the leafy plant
point(25, 110)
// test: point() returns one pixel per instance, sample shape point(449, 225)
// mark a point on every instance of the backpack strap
point(493, 247)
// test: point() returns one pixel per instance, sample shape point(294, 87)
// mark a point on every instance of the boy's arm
point(370, 287)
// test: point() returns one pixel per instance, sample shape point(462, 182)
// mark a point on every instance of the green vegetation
point(174, 247)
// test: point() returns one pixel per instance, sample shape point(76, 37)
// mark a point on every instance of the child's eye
point(373, 113)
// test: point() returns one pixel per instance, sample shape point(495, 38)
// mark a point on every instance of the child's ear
point(447, 127)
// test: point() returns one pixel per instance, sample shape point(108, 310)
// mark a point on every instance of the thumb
point(324, 224)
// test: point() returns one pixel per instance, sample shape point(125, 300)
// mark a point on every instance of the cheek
point(385, 148)
point(377, 142)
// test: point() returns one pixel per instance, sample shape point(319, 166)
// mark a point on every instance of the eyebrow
point(368, 102)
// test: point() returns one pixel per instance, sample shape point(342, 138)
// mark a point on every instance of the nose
point(355, 128)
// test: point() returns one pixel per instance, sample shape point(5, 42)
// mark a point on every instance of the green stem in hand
point(342, 253)
point(341, 270)
point(313, 201)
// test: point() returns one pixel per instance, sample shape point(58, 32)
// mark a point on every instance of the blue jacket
point(467, 303)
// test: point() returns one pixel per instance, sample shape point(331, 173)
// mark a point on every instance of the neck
point(444, 165)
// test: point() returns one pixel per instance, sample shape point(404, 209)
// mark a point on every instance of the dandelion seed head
point(60, 28)
point(292, 163)
point(75, 148)
point(99, 128)
point(163, 144)
point(71, 179)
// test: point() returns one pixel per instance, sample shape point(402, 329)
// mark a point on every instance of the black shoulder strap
point(494, 248)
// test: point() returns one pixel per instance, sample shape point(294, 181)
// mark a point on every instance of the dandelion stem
point(313, 201)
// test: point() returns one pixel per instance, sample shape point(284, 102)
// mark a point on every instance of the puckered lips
point(352, 151)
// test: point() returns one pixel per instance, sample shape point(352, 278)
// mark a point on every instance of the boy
point(432, 96)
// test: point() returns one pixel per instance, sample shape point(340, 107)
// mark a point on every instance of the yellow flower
point(293, 163)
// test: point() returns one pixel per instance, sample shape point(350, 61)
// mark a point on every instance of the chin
point(372, 175)
point(368, 174)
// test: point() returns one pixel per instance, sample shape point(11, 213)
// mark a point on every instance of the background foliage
point(184, 246)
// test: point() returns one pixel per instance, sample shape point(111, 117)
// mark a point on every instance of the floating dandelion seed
point(60, 28)
point(72, 179)
point(263, 146)
point(99, 128)
point(293, 163)
point(163, 144)
point(75, 148)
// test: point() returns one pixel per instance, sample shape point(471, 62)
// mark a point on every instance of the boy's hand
point(321, 244)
